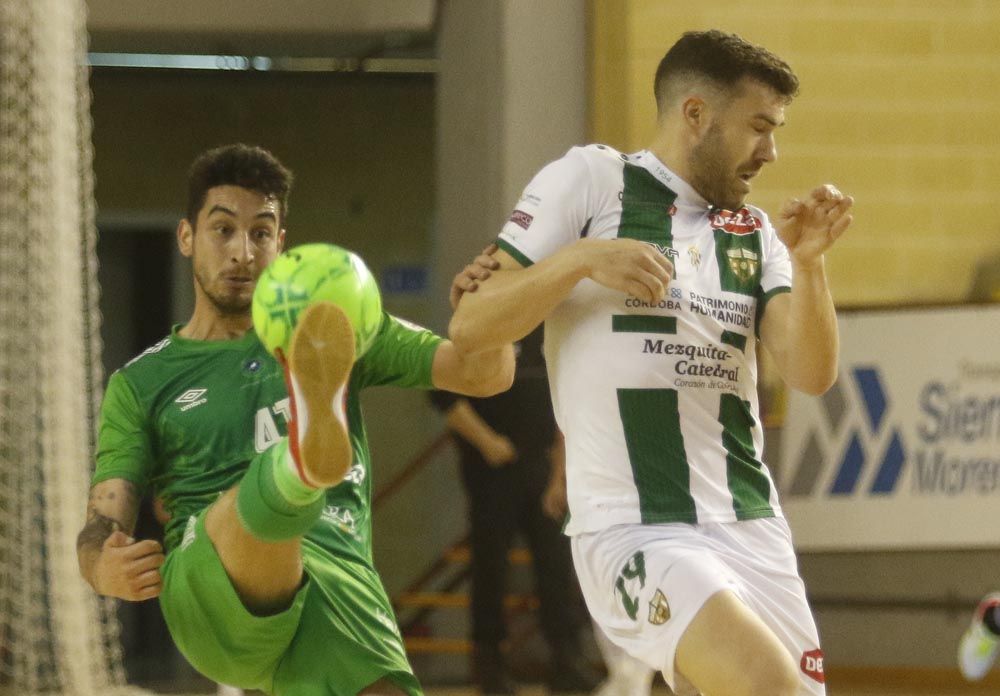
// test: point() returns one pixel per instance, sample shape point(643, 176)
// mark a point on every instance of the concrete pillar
point(511, 97)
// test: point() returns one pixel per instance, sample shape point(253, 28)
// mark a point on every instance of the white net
point(56, 637)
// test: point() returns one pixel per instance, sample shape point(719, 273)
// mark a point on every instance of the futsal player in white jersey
point(655, 282)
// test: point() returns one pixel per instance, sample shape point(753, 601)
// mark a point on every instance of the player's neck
point(672, 156)
point(208, 324)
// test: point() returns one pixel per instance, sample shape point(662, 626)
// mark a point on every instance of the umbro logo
point(191, 398)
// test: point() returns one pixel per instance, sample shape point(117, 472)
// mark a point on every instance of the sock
point(991, 619)
point(273, 503)
point(290, 485)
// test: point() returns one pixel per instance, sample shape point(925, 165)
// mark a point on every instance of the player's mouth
point(239, 281)
point(745, 177)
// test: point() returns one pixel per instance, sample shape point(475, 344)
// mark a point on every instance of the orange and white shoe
point(317, 369)
point(979, 646)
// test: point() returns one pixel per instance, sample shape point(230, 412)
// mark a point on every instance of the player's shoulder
point(600, 165)
point(148, 364)
point(599, 156)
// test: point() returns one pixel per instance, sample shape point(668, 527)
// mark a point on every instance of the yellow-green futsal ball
point(315, 273)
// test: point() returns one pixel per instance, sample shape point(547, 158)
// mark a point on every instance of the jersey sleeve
point(552, 211)
point(402, 355)
point(776, 274)
point(124, 449)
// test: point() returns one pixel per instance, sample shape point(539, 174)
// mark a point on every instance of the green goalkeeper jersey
point(186, 417)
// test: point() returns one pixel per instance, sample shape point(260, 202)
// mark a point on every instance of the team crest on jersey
point(694, 255)
point(659, 610)
point(743, 263)
point(521, 218)
point(739, 223)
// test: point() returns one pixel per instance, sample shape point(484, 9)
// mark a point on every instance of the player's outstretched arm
point(799, 329)
point(513, 300)
point(480, 373)
point(111, 561)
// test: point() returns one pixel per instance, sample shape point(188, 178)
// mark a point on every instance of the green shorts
point(338, 637)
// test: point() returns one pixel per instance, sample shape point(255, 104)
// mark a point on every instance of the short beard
point(708, 176)
point(225, 306)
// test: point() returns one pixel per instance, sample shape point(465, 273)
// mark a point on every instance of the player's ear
point(281, 240)
point(695, 110)
point(185, 238)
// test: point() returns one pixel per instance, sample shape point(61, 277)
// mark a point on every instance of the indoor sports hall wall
point(897, 106)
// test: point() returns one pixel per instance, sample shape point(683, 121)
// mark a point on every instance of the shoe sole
point(320, 358)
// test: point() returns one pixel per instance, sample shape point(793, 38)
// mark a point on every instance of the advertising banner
point(904, 451)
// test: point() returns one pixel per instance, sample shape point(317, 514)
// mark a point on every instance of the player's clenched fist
point(629, 265)
point(129, 569)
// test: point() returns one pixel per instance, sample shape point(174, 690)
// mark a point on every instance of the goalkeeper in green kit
point(266, 579)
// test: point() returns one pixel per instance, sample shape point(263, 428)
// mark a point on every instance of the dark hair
point(246, 166)
point(723, 59)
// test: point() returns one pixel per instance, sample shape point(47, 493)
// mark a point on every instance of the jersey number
point(635, 569)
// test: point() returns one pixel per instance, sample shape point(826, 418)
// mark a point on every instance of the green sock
point(290, 485)
point(272, 502)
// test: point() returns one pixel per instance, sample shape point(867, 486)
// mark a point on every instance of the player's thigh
point(727, 649)
point(760, 552)
point(348, 640)
point(210, 623)
point(644, 585)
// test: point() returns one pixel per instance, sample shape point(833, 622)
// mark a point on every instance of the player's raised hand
point(129, 569)
point(468, 279)
point(808, 228)
point(629, 265)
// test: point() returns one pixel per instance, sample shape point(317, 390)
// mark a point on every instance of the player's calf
point(281, 495)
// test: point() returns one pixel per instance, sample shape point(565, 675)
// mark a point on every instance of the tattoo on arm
point(112, 506)
point(96, 531)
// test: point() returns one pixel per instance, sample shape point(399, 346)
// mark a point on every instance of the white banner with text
point(904, 451)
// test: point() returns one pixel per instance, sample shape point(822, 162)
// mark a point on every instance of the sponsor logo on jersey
point(694, 255)
point(342, 518)
point(739, 223)
point(521, 218)
point(659, 610)
point(191, 398)
point(743, 263)
point(812, 665)
point(669, 252)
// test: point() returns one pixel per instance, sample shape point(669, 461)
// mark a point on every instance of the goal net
point(56, 637)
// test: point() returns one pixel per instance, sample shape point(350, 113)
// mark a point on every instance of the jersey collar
point(685, 192)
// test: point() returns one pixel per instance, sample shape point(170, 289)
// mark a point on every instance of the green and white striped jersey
point(658, 403)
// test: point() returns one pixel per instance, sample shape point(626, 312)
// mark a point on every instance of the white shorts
point(644, 584)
